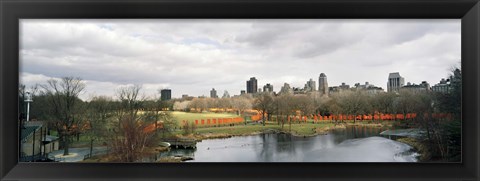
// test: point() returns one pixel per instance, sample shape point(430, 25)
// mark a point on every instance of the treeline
point(442, 134)
point(120, 121)
point(117, 123)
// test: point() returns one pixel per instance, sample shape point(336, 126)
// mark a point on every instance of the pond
point(353, 144)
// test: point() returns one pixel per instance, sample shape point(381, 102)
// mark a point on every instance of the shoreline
point(222, 133)
point(315, 131)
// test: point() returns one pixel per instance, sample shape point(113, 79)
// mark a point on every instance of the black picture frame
point(13, 10)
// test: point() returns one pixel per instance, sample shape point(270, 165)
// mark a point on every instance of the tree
point(292, 105)
point(98, 114)
point(445, 134)
point(158, 115)
point(241, 104)
point(263, 103)
point(441, 135)
point(181, 105)
point(130, 138)
point(198, 104)
point(333, 106)
point(305, 104)
point(64, 102)
point(211, 103)
point(453, 129)
point(384, 102)
point(225, 103)
point(405, 102)
point(283, 103)
point(353, 102)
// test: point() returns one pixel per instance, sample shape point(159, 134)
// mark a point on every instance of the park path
point(76, 154)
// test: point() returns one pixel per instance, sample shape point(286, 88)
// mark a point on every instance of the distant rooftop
point(394, 75)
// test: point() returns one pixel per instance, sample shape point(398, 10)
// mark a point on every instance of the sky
point(193, 56)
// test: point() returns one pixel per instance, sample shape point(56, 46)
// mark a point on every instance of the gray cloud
point(193, 56)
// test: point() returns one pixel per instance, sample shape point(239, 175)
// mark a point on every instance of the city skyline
point(193, 56)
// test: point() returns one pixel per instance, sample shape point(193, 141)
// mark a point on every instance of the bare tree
point(98, 114)
point(63, 97)
point(263, 103)
point(384, 102)
point(225, 103)
point(283, 103)
point(305, 104)
point(130, 138)
point(353, 102)
point(130, 100)
point(405, 102)
point(241, 104)
point(158, 115)
point(181, 105)
point(198, 104)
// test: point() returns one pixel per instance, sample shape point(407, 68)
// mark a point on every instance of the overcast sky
point(193, 56)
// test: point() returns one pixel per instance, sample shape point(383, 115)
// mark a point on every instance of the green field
point(179, 116)
point(297, 129)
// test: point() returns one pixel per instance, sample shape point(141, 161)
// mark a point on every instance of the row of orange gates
point(316, 118)
point(206, 122)
point(358, 117)
point(216, 121)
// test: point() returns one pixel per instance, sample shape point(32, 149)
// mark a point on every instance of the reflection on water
point(353, 144)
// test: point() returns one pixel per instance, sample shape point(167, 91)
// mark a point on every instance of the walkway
point(75, 154)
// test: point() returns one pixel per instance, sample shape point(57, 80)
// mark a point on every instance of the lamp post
point(28, 100)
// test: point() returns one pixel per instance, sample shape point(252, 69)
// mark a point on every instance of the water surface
point(354, 144)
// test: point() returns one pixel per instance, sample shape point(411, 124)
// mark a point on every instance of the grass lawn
point(236, 130)
point(179, 116)
point(305, 129)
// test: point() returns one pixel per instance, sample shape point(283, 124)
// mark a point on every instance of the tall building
point(310, 86)
point(395, 82)
point(323, 84)
point(423, 87)
point(446, 85)
point(213, 93)
point(344, 86)
point(165, 94)
point(187, 97)
point(443, 86)
point(286, 89)
point(365, 86)
point(226, 94)
point(339, 88)
point(252, 85)
point(268, 88)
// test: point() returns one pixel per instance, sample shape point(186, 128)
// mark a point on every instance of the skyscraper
point(165, 94)
point(286, 89)
point(213, 93)
point(323, 84)
point(268, 88)
point(310, 86)
point(226, 94)
point(395, 82)
point(252, 85)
